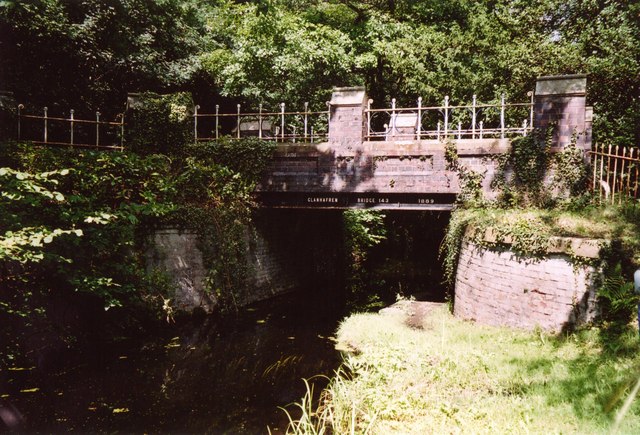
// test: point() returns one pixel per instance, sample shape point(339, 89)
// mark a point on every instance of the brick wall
point(348, 163)
point(383, 167)
point(286, 250)
point(498, 288)
point(176, 253)
point(560, 102)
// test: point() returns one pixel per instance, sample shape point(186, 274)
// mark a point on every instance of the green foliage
point(113, 200)
point(470, 181)
point(450, 248)
point(363, 229)
point(94, 52)
point(528, 233)
point(160, 124)
point(248, 156)
point(65, 54)
point(617, 296)
point(275, 55)
point(23, 239)
point(520, 175)
point(102, 198)
point(471, 378)
point(570, 171)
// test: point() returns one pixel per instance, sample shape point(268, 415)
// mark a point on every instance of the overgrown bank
point(75, 225)
point(449, 375)
point(445, 375)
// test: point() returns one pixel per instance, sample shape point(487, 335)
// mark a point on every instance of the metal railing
point(615, 172)
point(474, 121)
point(281, 126)
point(73, 132)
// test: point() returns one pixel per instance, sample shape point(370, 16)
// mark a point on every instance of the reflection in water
point(224, 376)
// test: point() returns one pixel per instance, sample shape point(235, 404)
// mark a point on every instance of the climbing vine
point(109, 202)
point(363, 230)
point(570, 171)
point(528, 178)
point(521, 171)
point(470, 181)
point(159, 124)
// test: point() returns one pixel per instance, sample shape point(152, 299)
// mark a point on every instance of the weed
point(460, 377)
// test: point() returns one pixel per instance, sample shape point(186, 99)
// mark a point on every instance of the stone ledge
point(572, 246)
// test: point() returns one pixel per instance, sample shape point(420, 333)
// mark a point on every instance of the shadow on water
point(225, 375)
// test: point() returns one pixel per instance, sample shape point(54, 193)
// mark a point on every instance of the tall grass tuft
point(452, 376)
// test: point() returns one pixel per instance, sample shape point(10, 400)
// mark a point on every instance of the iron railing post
point(71, 126)
point(446, 116)
point(392, 128)
point(238, 123)
point(473, 118)
point(282, 122)
point(46, 133)
point(369, 102)
point(195, 122)
point(530, 94)
point(502, 117)
point(97, 130)
point(217, 120)
point(328, 103)
point(260, 121)
point(419, 126)
point(306, 119)
point(122, 115)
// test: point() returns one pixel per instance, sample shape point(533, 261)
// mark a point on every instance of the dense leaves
point(94, 51)
point(90, 53)
point(104, 205)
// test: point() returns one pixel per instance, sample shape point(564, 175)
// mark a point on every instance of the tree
point(88, 54)
point(273, 55)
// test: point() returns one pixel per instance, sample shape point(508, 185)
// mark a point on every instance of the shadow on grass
point(596, 382)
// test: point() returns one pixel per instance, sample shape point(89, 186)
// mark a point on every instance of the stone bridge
point(407, 169)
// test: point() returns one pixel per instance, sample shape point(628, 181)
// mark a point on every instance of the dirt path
point(414, 311)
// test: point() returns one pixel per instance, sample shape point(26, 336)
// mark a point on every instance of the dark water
point(223, 376)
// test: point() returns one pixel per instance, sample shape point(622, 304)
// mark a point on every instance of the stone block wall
point(177, 254)
point(560, 102)
point(346, 119)
point(382, 167)
point(499, 288)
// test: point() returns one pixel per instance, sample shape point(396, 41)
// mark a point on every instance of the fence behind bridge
point(615, 171)
point(70, 131)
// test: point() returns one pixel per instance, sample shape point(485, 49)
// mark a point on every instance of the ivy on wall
point(544, 194)
point(470, 181)
point(109, 202)
point(363, 229)
point(159, 124)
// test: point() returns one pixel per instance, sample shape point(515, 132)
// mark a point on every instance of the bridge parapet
point(402, 164)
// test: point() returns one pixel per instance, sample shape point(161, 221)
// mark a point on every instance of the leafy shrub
point(160, 124)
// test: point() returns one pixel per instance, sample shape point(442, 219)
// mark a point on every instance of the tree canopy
point(92, 52)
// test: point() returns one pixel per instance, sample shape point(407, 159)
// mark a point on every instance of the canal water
point(224, 375)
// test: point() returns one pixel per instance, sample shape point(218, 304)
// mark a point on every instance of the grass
point(619, 222)
point(459, 377)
